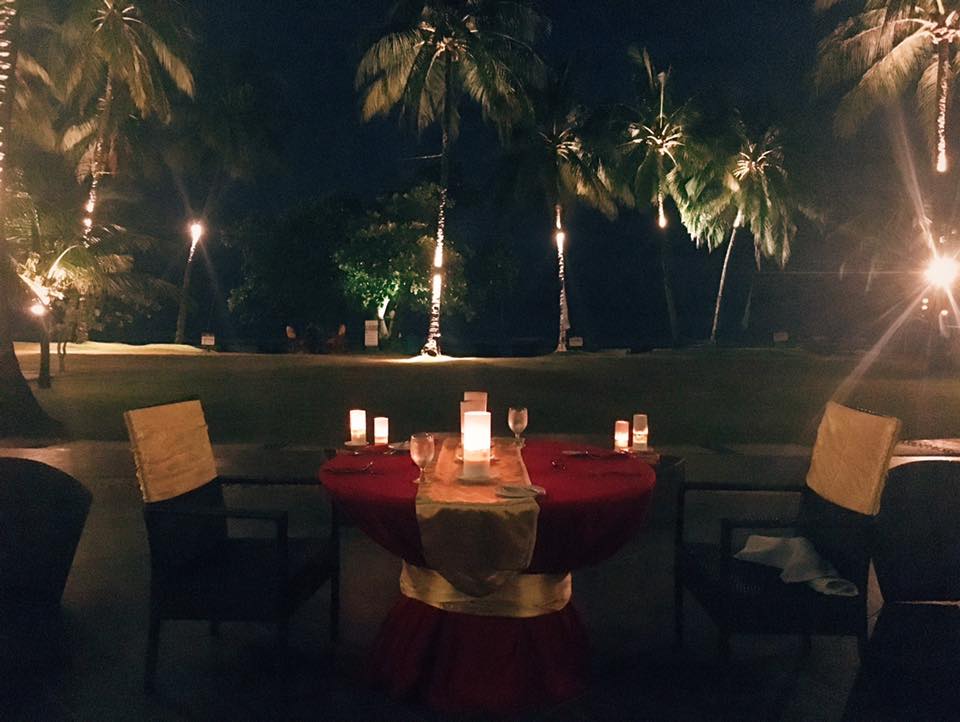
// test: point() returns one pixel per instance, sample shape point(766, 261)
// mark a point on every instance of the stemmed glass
point(421, 451)
point(517, 419)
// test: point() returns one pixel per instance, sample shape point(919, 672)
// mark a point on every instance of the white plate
point(355, 444)
point(400, 446)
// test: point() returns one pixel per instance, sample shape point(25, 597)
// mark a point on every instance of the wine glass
point(421, 451)
point(517, 419)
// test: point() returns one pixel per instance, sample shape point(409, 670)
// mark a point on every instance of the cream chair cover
point(851, 457)
point(171, 448)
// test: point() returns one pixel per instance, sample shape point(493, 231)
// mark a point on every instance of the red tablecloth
point(457, 662)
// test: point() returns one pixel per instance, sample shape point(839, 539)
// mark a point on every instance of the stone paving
point(626, 604)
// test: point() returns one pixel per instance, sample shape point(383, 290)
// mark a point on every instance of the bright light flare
point(942, 271)
point(662, 220)
point(196, 233)
point(38, 309)
point(561, 239)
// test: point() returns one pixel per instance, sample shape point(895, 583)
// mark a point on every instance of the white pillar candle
point(621, 435)
point(641, 432)
point(381, 430)
point(480, 396)
point(476, 445)
point(358, 426)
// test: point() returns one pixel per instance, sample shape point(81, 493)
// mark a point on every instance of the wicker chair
point(837, 505)
point(909, 670)
point(197, 570)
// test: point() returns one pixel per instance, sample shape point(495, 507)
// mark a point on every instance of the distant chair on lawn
point(198, 571)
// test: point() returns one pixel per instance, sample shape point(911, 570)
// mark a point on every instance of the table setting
point(489, 530)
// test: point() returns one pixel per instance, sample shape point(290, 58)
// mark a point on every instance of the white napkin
point(799, 560)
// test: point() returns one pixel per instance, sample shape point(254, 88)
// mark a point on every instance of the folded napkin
point(799, 560)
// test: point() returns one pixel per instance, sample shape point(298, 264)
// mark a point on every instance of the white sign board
point(576, 342)
point(371, 333)
point(208, 340)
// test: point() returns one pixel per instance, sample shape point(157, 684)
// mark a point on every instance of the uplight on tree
point(942, 271)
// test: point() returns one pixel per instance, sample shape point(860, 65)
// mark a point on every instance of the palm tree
point(890, 47)
point(120, 62)
point(442, 50)
point(749, 189)
point(554, 153)
point(655, 143)
point(19, 411)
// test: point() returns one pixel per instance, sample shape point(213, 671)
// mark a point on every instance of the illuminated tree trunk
point(723, 280)
point(943, 86)
point(560, 238)
point(19, 411)
point(97, 163)
point(184, 298)
point(43, 380)
point(432, 345)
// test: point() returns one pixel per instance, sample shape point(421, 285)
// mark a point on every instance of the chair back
point(176, 471)
point(917, 533)
point(851, 456)
point(171, 448)
point(42, 514)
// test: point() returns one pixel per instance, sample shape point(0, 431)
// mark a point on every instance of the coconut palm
point(655, 143)
point(555, 155)
point(120, 62)
point(442, 50)
point(748, 189)
point(19, 411)
point(889, 48)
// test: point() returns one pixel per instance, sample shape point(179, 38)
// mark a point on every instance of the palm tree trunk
point(19, 411)
point(943, 86)
point(43, 380)
point(184, 297)
point(723, 280)
point(96, 165)
point(560, 238)
point(668, 288)
point(432, 345)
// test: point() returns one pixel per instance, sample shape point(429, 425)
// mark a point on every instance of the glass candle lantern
point(476, 445)
point(621, 435)
point(641, 432)
point(358, 426)
point(381, 430)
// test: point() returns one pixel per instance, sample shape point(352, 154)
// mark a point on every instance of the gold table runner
point(476, 540)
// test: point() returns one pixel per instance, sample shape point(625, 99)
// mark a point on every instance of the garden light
point(942, 271)
point(196, 233)
point(38, 309)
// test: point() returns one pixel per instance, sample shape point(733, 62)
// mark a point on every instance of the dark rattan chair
point(198, 571)
point(910, 668)
point(744, 597)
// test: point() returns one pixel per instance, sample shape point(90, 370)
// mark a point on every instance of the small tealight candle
point(358, 426)
point(621, 435)
point(381, 430)
point(478, 396)
point(641, 432)
point(476, 445)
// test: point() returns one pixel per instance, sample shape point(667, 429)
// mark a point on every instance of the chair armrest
point(792, 488)
point(269, 481)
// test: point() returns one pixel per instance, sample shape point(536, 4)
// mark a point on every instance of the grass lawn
point(702, 396)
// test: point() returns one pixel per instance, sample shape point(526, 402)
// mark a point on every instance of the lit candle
point(621, 435)
point(466, 406)
point(479, 396)
point(476, 445)
point(358, 426)
point(640, 432)
point(381, 430)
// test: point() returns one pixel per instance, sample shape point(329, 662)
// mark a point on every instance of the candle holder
point(621, 435)
point(358, 428)
point(381, 430)
point(641, 433)
point(476, 447)
point(478, 396)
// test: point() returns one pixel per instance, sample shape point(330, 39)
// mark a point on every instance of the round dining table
point(595, 502)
